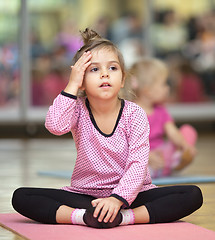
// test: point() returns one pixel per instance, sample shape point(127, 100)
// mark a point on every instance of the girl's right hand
point(77, 73)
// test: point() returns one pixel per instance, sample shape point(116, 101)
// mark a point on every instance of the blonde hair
point(145, 72)
point(92, 40)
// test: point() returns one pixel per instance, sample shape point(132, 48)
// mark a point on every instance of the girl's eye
point(95, 69)
point(113, 68)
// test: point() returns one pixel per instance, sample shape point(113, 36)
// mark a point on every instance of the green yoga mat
point(159, 181)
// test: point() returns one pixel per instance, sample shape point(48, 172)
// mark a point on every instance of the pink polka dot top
point(107, 165)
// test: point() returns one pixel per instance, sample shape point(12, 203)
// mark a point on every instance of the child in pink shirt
point(111, 183)
point(171, 148)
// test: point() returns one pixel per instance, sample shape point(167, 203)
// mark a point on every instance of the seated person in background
point(148, 79)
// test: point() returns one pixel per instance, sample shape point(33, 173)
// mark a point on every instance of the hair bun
point(89, 35)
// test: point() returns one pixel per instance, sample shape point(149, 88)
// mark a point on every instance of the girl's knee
point(18, 198)
point(189, 133)
point(197, 196)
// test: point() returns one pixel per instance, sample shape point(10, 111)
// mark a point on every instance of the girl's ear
point(123, 82)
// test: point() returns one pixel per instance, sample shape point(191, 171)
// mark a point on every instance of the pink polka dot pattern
point(106, 164)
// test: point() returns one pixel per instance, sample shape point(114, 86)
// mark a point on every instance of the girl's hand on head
point(109, 208)
point(78, 72)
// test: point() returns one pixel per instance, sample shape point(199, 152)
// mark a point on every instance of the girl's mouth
point(103, 85)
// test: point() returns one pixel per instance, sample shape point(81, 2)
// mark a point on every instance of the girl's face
point(103, 78)
point(159, 90)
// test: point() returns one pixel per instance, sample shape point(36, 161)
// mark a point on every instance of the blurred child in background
point(172, 148)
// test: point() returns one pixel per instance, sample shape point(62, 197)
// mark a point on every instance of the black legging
point(164, 204)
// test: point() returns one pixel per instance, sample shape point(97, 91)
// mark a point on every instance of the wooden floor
point(22, 159)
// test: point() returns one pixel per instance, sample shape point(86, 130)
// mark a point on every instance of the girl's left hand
point(109, 208)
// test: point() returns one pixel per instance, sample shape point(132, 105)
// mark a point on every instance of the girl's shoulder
point(132, 108)
point(133, 105)
point(135, 119)
point(81, 101)
point(82, 105)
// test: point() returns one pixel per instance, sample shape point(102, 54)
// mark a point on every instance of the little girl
point(110, 184)
point(149, 81)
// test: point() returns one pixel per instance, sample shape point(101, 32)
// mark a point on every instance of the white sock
point(77, 216)
point(127, 216)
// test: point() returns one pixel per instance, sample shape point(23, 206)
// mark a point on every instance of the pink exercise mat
point(167, 231)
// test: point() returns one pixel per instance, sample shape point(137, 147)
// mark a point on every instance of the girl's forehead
point(104, 53)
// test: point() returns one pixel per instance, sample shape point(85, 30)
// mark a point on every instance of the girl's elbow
point(53, 129)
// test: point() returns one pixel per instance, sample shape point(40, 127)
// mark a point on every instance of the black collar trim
point(94, 122)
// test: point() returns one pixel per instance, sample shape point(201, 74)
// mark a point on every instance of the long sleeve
point(62, 115)
point(136, 170)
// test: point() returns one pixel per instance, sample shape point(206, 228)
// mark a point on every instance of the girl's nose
point(104, 74)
